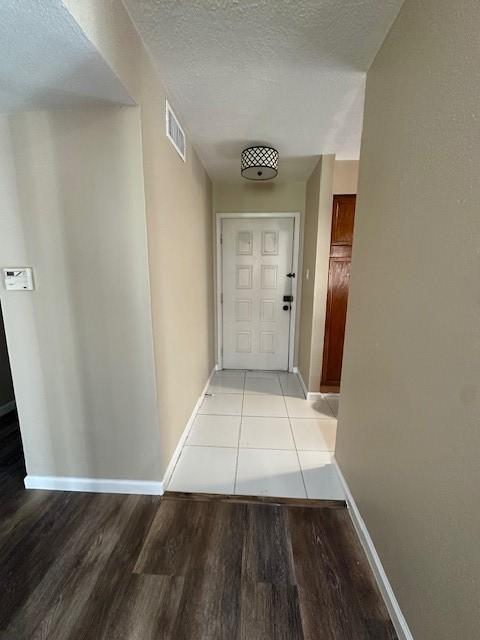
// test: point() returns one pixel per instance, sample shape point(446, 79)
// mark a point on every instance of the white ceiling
point(290, 73)
point(46, 61)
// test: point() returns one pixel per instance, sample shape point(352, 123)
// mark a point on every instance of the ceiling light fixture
point(259, 163)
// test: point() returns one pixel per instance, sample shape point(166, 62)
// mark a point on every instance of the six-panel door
point(256, 258)
point(343, 219)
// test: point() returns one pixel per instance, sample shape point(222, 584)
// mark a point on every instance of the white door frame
point(295, 215)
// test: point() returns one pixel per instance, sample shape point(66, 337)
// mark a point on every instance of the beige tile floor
point(255, 434)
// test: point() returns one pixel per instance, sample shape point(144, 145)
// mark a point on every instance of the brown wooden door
point(343, 216)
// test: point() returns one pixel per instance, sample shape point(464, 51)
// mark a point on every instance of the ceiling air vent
point(174, 131)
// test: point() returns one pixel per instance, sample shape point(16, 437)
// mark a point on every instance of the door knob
point(286, 307)
point(290, 275)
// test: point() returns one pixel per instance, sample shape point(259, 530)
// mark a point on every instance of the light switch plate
point(18, 279)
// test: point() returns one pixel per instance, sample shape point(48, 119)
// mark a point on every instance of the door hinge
point(221, 238)
point(221, 298)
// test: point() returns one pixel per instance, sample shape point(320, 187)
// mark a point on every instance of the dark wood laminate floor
point(12, 465)
point(108, 567)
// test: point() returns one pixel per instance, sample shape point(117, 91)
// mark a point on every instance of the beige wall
point(81, 346)
point(409, 437)
point(316, 252)
point(345, 177)
point(108, 26)
point(179, 222)
point(259, 197)
point(180, 244)
point(308, 269)
point(112, 350)
point(264, 197)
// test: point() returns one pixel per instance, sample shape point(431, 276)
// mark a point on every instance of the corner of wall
point(325, 200)
point(316, 251)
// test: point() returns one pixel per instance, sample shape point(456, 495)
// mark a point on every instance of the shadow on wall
point(81, 212)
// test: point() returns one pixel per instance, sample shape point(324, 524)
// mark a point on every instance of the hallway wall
point(180, 244)
point(81, 347)
point(316, 253)
point(409, 438)
point(345, 177)
point(113, 349)
point(259, 197)
point(178, 200)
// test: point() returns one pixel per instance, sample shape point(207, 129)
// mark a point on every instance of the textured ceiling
point(286, 72)
point(46, 61)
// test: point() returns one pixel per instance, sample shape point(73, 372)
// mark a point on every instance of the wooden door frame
point(295, 216)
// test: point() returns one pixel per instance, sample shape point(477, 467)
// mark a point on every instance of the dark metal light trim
point(259, 163)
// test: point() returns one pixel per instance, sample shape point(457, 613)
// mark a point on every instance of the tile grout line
point(298, 458)
point(223, 446)
point(228, 415)
point(239, 434)
point(191, 428)
point(295, 444)
point(241, 415)
point(335, 415)
point(231, 446)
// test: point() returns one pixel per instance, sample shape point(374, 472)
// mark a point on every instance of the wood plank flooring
point(109, 567)
point(12, 465)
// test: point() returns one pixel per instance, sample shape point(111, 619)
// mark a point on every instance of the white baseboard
point(309, 395)
point(366, 541)
point(302, 383)
point(105, 485)
point(7, 407)
point(95, 485)
point(178, 450)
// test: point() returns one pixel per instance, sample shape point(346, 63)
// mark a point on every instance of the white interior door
point(257, 255)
